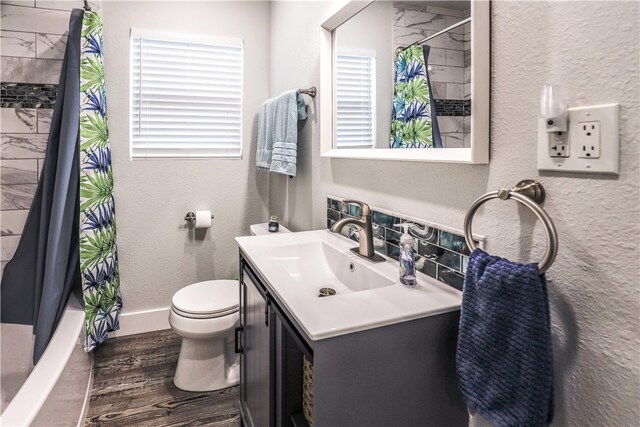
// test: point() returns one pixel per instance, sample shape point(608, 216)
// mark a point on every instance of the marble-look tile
point(19, 172)
point(66, 4)
point(398, 17)
point(425, 21)
point(466, 75)
point(437, 57)
point(25, 3)
point(447, 41)
point(17, 197)
point(405, 36)
point(454, 20)
point(444, 74)
point(23, 146)
point(40, 166)
point(44, 119)
point(444, 10)
point(466, 124)
point(8, 246)
point(50, 46)
point(18, 120)
point(455, 91)
point(467, 91)
point(454, 139)
point(467, 140)
point(15, 43)
point(28, 70)
point(34, 20)
point(455, 58)
point(12, 222)
point(467, 58)
point(2, 265)
point(439, 90)
point(450, 124)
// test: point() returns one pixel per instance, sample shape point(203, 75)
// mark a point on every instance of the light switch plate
point(608, 116)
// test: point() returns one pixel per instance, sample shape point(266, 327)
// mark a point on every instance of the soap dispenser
point(407, 257)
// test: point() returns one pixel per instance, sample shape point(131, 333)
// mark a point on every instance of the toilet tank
point(261, 229)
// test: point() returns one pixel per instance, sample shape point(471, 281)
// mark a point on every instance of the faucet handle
point(364, 208)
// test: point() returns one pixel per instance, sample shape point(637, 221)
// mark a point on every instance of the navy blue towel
point(504, 361)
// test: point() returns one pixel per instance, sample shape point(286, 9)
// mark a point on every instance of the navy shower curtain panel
point(68, 241)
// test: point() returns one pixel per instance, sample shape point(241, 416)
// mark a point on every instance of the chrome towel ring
point(529, 193)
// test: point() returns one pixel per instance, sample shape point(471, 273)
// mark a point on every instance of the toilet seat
point(207, 300)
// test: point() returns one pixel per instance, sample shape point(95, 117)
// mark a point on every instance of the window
point(186, 97)
point(355, 99)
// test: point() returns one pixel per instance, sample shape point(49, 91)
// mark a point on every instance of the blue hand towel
point(278, 132)
point(504, 360)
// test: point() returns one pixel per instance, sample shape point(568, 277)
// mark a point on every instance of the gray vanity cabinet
point(256, 354)
point(392, 376)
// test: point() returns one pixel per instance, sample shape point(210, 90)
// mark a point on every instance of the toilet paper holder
point(191, 216)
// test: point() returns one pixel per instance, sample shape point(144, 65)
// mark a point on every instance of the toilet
point(205, 315)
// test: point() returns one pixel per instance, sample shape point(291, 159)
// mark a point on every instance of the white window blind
point(355, 99)
point(186, 98)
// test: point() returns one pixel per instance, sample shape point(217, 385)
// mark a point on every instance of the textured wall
point(158, 253)
point(592, 49)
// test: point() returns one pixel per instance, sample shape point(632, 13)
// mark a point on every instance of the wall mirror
point(406, 80)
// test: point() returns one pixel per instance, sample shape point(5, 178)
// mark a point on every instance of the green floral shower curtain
point(98, 253)
point(411, 124)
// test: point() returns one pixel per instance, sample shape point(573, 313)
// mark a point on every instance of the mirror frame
point(478, 153)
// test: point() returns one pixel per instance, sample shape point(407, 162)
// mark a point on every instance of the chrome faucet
point(365, 231)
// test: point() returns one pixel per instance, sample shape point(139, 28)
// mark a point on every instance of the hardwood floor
point(133, 386)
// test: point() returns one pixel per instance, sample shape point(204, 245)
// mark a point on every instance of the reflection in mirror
point(403, 76)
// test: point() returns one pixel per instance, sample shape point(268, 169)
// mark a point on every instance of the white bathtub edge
point(87, 397)
point(26, 404)
point(139, 322)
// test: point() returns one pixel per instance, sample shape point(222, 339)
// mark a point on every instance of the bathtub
point(56, 391)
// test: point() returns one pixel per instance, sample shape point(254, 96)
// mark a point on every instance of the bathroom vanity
point(382, 354)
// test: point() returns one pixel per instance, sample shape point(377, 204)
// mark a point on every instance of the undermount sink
point(316, 265)
point(296, 266)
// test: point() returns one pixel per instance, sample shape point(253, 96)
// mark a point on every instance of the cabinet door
point(256, 363)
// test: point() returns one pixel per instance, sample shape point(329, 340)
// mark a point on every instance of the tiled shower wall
point(449, 61)
point(441, 254)
point(32, 43)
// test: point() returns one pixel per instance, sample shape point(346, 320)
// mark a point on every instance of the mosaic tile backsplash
point(27, 95)
point(440, 254)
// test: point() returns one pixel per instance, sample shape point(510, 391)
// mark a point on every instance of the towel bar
point(529, 193)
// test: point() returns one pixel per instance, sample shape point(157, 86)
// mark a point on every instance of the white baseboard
point(140, 322)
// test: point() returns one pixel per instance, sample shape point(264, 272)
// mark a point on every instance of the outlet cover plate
point(609, 161)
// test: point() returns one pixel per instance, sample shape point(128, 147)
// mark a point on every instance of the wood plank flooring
point(133, 386)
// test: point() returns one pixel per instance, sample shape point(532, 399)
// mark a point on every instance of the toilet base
point(207, 364)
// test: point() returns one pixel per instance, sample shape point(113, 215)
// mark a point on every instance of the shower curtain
point(413, 123)
point(98, 252)
point(68, 241)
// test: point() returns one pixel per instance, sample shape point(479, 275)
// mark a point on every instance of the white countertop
point(348, 312)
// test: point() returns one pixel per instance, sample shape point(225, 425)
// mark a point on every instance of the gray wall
point(158, 253)
point(594, 290)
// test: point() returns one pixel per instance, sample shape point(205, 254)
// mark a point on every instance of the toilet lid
point(210, 298)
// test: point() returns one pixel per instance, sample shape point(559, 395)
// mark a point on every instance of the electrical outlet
point(589, 140)
point(558, 146)
point(592, 141)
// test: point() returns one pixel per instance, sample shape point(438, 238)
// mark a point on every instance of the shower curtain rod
point(432, 36)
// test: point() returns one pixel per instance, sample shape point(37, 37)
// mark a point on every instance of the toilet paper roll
point(203, 219)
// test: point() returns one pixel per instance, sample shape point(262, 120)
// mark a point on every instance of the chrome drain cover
point(326, 292)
